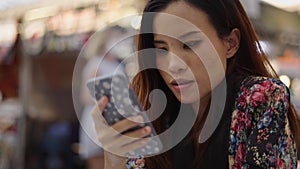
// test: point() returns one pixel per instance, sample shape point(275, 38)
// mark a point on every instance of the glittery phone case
point(123, 103)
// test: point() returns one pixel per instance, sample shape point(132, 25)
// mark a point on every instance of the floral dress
point(260, 135)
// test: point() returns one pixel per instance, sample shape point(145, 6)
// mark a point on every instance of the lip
point(180, 84)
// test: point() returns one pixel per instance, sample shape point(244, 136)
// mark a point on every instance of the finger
point(118, 142)
point(102, 103)
point(105, 133)
point(111, 136)
point(130, 137)
point(99, 120)
point(135, 145)
point(133, 136)
point(124, 150)
point(103, 130)
point(128, 123)
point(139, 133)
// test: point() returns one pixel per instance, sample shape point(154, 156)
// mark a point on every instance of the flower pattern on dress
point(260, 135)
point(135, 163)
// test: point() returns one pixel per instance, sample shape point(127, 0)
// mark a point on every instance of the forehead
point(179, 18)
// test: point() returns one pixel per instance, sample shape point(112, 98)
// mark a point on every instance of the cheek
point(212, 63)
point(213, 52)
point(161, 63)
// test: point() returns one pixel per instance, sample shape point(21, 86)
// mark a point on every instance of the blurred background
point(40, 41)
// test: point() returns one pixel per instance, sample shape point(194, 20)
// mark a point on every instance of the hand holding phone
point(122, 104)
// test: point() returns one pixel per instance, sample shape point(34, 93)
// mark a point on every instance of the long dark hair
point(250, 59)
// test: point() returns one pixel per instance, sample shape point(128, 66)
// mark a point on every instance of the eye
point(191, 44)
point(161, 51)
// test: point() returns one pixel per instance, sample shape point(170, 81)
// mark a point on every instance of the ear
point(232, 42)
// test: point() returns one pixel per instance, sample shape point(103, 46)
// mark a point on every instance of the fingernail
point(146, 130)
point(102, 100)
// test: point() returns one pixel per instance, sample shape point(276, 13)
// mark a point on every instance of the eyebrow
point(180, 37)
point(188, 34)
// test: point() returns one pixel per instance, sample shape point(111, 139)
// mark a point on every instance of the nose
point(176, 65)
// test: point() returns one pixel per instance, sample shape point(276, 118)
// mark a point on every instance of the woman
point(258, 125)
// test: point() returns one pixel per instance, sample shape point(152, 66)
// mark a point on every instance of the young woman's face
point(189, 58)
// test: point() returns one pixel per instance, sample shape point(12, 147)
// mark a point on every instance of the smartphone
point(123, 103)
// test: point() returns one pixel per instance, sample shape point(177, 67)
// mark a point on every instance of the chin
point(187, 100)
